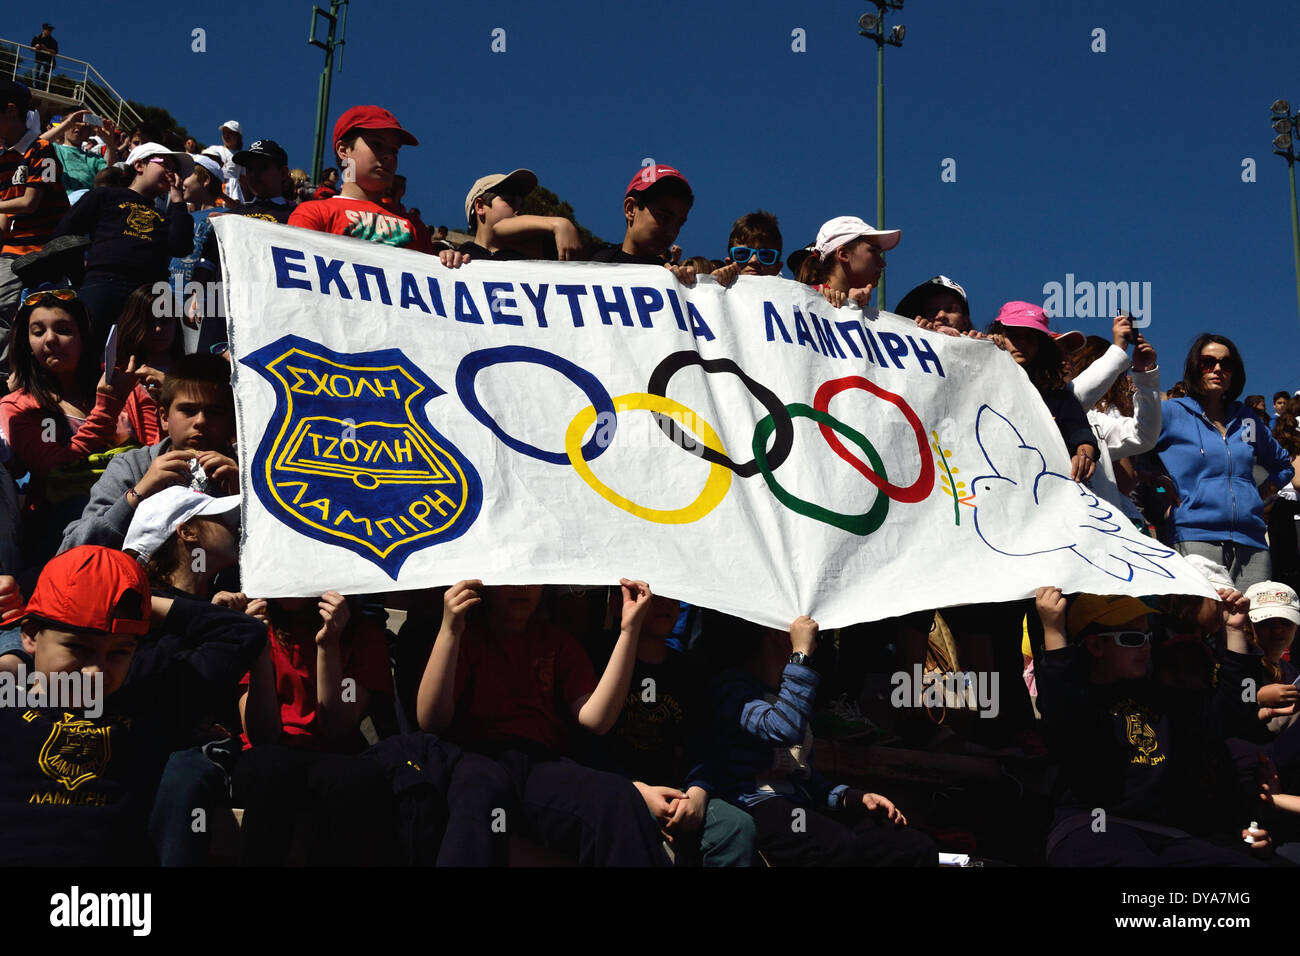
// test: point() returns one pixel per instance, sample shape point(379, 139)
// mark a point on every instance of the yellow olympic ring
point(715, 488)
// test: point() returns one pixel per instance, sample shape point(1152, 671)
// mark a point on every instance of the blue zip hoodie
point(1214, 474)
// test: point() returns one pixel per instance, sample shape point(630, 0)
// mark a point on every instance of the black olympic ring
point(677, 361)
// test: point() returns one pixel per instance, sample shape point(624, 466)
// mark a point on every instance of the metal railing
point(68, 79)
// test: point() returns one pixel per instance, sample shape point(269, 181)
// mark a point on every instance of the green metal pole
point(880, 147)
point(326, 79)
point(1295, 226)
point(319, 140)
point(323, 91)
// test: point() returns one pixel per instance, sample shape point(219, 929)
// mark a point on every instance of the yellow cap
point(1107, 609)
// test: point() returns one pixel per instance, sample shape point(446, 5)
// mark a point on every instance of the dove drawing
point(1023, 509)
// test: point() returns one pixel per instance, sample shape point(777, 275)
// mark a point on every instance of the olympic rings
point(924, 483)
point(715, 487)
point(779, 422)
point(475, 362)
point(675, 362)
point(863, 524)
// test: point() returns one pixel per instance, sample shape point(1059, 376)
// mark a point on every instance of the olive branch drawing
point(956, 489)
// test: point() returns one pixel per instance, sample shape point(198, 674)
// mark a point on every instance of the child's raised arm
point(1051, 611)
point(337, 719)
point(599, 710)
point(435, 704)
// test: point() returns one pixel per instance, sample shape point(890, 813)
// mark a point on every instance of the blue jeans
point(191, 781)
point(103, 294)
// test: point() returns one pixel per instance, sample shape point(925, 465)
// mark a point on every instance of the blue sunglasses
point(742, 254)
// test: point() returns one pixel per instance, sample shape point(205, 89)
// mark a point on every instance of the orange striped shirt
point(39, 166)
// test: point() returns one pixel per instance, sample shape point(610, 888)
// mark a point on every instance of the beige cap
point(521, 181)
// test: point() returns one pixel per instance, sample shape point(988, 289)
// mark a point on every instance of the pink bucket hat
point(1026, 315)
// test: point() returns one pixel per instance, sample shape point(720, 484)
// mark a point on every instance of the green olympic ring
point(862, 524)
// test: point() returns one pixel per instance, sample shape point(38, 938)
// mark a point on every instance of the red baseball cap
point(371, 117)
point(93, 588)
point(647, 176)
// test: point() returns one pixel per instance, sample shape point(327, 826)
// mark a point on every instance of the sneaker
point(842, 719)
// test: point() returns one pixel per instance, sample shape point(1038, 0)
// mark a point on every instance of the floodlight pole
point(880, 147)
point(1285, 124)
point(323, 87)
point(878, 35)
point(1295, 225)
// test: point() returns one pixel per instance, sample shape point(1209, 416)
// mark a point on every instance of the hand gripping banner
point(750, 449)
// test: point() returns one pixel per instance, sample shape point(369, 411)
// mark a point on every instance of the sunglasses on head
point(742, 254)
point(65, 295)
point(1207, 363)
point(1127, 638)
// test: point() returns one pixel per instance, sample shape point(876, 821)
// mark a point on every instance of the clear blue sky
point(1117, 166)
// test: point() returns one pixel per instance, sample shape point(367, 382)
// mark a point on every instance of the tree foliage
point(173, 133)
point(542, 202)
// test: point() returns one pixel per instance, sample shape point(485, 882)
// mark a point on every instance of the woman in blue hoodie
point(1210, 444)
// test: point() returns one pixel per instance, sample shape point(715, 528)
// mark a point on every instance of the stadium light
point(1283, 145)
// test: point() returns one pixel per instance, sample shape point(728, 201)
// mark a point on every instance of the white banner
point(749, 449)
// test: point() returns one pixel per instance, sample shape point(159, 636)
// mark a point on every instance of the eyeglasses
point(1207, 363)
point(164, 162)
point(742, 254)
point(1128, 638)
point(66, 295)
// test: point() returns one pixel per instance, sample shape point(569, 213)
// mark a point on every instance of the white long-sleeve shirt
point(1119, 436)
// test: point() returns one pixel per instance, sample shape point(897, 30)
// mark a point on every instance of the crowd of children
point(605, 727)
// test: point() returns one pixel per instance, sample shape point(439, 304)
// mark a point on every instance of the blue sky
point(1117, 166)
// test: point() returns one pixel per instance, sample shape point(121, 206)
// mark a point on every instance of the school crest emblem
point(350, 458)
point(77, 750)
point(140, 220)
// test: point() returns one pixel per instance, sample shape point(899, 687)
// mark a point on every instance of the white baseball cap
point(1270, 599)
point(844, 229)
point(232, 125)
point(212, 166)
point(158, 516)
point(184, 161)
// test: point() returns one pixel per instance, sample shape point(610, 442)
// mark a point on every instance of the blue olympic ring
point(600, 399)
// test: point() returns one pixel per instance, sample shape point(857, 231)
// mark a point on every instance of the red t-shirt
point(519, 686)
point(365, 660)
point(360, 219)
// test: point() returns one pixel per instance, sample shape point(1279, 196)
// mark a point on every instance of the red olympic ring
point(916, 491)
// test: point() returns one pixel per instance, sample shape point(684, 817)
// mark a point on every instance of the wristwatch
point(799, 657)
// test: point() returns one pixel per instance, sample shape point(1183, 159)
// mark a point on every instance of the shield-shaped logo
point(77, 750)
point(349, 457)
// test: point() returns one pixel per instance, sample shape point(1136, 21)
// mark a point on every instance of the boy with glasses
point(1148, 778)
point(753, 248)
